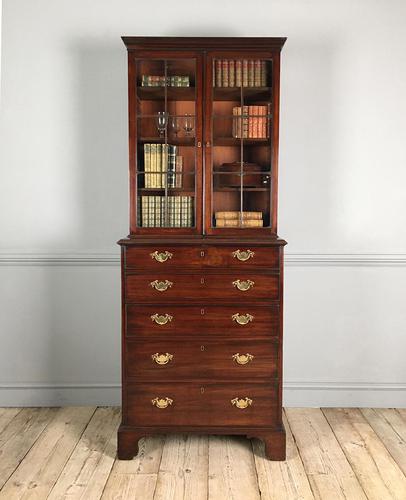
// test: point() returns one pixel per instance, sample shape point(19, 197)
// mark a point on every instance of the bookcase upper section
point(203, 135)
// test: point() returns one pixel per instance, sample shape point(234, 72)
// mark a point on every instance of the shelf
point(231, 189)
point(233, 141)
point(180, 191)
point(173, 93)
point(175, 141)
point(234, 93)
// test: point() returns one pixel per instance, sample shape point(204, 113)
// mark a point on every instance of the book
point(171, 166)
point(239, 223)
point(250, 73)
point(244, 73)
point(264, 76)
point(236, 215)
point(224, 72)
point(147, 165)
point(238, 73)
point(231, 73)
point(257, 73)
point(218, 73)
point(178, 171)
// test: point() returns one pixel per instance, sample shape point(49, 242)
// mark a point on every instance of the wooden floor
point(331, 454)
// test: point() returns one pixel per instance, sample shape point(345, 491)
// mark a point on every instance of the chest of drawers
point(202, 341)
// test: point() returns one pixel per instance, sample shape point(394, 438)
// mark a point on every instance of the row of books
point(165, 211)
point(251, 121)
point(238, 219)
point(161, 81)
point(162, 166)
point(240, 73)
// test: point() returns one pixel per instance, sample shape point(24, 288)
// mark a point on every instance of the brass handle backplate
point(162, 359)
point(243, 285)
point(243, 255)
point(161, 402)
point(242, 359)
point(161, 286)
point(242, 319)
point(161, 319)
point(241, 403)
point(161, 256)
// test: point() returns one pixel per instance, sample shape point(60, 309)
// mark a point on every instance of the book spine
point(238, 223)
point(190, 211)
point(250, 73)
point(257, 73)
point(231, 73)
point(218, 73)
point(172, 166)
point(224, 72)
point(147, 165)
point(213, 69)
point(245, 73)
point(238, 73)
point(163, 177)
point(250, 122)
point(264, 76)
point(268, 121)
point(245, 122)
point(153, 183)
point(178, 171)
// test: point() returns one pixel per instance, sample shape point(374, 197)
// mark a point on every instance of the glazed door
point(165, 94)
point(241, 141)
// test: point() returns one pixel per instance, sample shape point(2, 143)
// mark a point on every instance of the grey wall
point(63, 191)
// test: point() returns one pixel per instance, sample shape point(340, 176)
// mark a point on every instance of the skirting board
point(295, 394)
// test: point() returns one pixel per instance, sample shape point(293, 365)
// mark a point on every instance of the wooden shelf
point(235, 188)
point(173, 93)
point(179, 191)
point(249, 93)
point(233, 141)
point(176, 141)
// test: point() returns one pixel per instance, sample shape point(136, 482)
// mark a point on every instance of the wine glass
point(188, 123)
point(175, 125)
point(161, 122)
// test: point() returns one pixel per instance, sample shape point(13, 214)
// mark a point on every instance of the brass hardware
point(202, 312)
point(162, 359)
point(207, 144)
point(241, 403)
point(161, 402)
point(161, 256)
point(202, 390)
point(242, 359)
point(243, 285)
point(243, 255)
point(199, 144)
point(161, 319)
point(202, 347)
point(161, 286)
point(202, 281)
point(242, 319)
point(202, 253)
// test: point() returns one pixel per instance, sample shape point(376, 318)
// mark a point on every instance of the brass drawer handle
point(242, 359)
point(162, 359)
point(161, 286)
point(161, 402)
point(161, 256)
point(242, 319)
point(243, 255)
point(241, 403)
point(243, 285)
point(161, 319)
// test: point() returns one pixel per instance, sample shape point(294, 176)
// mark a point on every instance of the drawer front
point(162, 287)
point(242, 257)
point(164, 258)
point(238, 404)
point(202, 359)
point(243, 321)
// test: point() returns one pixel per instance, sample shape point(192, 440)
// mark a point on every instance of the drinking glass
point(188, 124)
point(161, 122)
point(175, 124)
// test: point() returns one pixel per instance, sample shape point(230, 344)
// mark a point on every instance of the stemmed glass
point(188, 123)
point(161, 122)
point(175, 124)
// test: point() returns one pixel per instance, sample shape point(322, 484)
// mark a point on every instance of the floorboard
point(332, 453)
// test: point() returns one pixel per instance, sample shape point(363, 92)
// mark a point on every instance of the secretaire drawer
point(202, 359)
point(163, 258)
point(242, 257)
point(191, 404)
point(160, 287)
point(248, 321)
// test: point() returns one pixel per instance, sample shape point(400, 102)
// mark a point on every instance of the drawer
point(164, 257)
point(237, 404)
point(246, 321)
point(170, 257)
point(161, 287)
point(202, 359)
point(242, 257)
